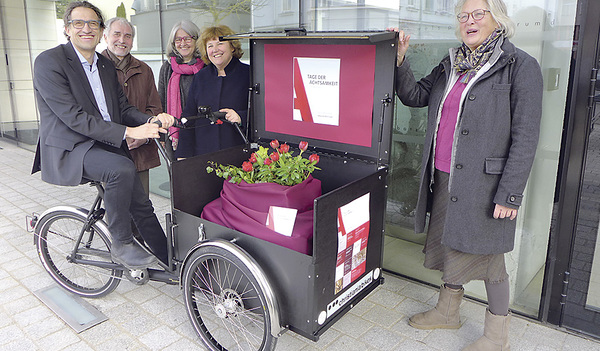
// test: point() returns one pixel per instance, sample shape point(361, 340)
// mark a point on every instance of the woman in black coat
point(483, 123)
point(223, 85)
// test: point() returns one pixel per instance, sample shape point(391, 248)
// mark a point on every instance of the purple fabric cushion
point(244, 207)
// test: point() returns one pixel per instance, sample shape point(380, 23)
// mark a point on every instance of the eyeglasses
point(186, 40)
point(477, 15)
point(78, 24)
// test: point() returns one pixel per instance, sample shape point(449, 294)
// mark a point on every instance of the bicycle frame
point(96, 213)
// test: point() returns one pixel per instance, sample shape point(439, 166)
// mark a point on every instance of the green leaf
point(288, 170)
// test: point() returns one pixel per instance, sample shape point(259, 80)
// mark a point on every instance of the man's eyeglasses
point(78, 24)
point(477, 15)
point(186, 40)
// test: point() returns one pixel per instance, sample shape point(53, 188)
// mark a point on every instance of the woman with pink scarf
point(177, 73)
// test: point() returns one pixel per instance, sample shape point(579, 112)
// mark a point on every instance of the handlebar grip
point(219, 115)
point(176, 123)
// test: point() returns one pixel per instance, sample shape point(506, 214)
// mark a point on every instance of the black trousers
point(124, 198)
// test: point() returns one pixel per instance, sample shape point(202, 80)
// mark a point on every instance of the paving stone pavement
point(152, 316)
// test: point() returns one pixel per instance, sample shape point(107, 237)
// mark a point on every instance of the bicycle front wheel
point(225, 303)
point(55, 243)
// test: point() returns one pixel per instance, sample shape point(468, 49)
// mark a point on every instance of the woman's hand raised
point(403, 41)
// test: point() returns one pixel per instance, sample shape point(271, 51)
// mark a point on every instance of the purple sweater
point(445, 133)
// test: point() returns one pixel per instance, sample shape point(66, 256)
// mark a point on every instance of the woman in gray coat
point(177, 73)
point(483, 123)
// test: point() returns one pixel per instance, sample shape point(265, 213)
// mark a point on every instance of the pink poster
point(353, 235)
point(320, 91)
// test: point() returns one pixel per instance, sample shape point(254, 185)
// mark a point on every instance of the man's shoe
point(131, 255)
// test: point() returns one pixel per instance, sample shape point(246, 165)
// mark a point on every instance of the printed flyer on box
point(317, 90)
point(320, 92)
point(353, 234)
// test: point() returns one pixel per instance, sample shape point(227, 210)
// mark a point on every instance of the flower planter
point(245, 207)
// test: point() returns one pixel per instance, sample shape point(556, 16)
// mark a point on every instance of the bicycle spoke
point(227, 305)
point(56, 245)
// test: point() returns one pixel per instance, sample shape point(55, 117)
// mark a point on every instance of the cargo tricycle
point(333, 90)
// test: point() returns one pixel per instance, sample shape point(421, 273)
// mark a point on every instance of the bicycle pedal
point(137, 276)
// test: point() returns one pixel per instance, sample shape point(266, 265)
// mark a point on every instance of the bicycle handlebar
point(214, 117)
point(207, 112)
point(177, 123)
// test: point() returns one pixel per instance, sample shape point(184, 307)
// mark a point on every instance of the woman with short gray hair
point(485, 102)
point(177, 73)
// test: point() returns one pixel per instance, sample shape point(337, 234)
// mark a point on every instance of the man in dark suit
point(84, 120)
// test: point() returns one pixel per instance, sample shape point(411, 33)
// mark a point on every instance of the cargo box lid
point(334, 90)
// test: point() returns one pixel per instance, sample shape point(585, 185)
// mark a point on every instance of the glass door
point(26, 29)
point(6, 97)
point(581, 285)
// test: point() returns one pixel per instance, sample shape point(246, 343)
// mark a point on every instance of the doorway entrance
point(573, 298)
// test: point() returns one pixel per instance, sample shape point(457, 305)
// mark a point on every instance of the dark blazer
point(70, 121)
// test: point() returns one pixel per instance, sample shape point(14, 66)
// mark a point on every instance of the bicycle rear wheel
point(225, 303)
point(55, 242)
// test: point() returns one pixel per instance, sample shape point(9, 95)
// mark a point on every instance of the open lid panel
point(333, 90)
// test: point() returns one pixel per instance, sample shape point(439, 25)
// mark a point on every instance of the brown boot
point(495, 334)
point(444, 315)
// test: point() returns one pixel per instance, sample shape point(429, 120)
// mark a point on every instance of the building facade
point(555, 266)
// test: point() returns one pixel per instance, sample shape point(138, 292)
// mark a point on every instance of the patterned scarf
point(468, 62)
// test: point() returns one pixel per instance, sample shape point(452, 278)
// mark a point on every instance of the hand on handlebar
point(231, 116)
point(224, 114)
point(157, 124)
point(165, 119)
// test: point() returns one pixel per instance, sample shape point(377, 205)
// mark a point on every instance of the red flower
point(284, 148)
point(247, 166)
point(303, 145)
point(219, 121)
point(270, 164)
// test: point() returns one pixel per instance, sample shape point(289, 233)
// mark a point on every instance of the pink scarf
point(173, 90)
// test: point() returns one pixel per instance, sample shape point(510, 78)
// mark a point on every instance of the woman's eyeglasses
point(477, 15)
point(78, 24)
point(187, 40)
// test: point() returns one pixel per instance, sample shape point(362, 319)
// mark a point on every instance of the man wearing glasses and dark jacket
point(84, 121)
